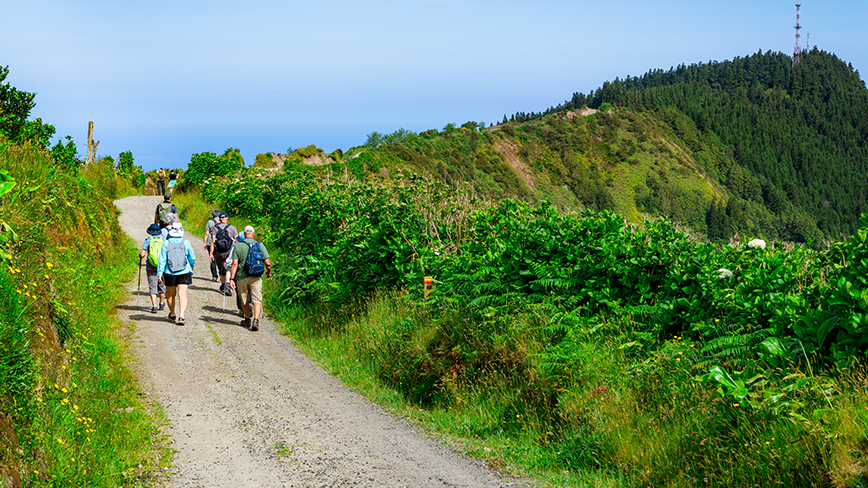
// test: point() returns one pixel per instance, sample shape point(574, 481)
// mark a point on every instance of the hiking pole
point(224, 290)
point(139, 287)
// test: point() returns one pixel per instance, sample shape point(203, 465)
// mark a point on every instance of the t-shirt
point(233, 233)
point(240, 253)
point(209, 226)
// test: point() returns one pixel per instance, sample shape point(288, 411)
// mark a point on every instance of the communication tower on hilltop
point(797, 54)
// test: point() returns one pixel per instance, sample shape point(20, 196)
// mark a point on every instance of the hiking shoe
point(153, 309)
point(245, 323)
point(215, 278)
point(180, 320)
point(254, 326)
point(172, 317)
point(222, 285)
point(162, 305)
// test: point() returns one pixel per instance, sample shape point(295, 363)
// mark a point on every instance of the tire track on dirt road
point(248, 409)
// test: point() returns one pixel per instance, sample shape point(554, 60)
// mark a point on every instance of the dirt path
point(247, 409)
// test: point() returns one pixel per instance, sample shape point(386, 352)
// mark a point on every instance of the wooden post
point(429, 285)
point(90, 148)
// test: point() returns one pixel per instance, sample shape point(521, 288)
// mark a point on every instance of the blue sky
point(169, 79)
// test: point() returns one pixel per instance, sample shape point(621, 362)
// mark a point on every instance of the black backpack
point(222, 240)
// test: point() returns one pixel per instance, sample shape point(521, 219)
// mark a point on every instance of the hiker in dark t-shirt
point(222, 237)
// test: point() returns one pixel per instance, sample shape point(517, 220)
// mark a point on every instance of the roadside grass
point(615, 422)
point(71, 410)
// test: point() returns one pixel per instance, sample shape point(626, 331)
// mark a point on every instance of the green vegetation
point(620, 354)
point(742, 147)
point(70, 411)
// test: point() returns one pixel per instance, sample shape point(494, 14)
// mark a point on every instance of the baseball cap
point(223, 215)
point(249, 230)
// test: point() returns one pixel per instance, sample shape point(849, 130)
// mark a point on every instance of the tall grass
point(72, 410)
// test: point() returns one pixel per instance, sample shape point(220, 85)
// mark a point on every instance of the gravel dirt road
point(247, 409)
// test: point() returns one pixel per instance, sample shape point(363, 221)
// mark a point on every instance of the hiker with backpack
point(151, 249)
point(163, 210)
point(173, 179)
point(222, 238)
point(175, 269)
point(247, 277)
point(206, 241)
point(161, 182)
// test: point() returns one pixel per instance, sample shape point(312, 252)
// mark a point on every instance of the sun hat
point(154, 229)
point(249, 230)
point(176, 230)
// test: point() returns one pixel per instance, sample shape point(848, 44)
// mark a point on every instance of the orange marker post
point(429, 285)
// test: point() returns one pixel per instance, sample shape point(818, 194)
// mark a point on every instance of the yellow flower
point(56, 386)
point(677, 359)
point(49, 265)
point(63, 390)
point(8, 256)
point(46, 276)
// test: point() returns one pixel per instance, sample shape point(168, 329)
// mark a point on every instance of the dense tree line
point(798, 137)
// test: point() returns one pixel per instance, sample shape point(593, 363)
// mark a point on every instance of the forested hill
point(750, 146)
point(801, 133)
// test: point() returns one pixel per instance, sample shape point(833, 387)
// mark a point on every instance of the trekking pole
point(139, 287)
point(224, 290)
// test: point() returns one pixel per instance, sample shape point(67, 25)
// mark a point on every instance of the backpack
point(222, 240)
point(154, 248)
point(254, 265)
point(163, 210)
point(176, 255)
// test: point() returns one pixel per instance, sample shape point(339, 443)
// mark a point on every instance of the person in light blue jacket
point(175, 269)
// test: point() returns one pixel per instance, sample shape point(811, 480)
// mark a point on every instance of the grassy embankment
point(71, 413)
point(576, 349)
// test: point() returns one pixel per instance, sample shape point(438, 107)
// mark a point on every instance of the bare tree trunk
point(87, 160)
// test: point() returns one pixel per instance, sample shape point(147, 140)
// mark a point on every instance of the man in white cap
point(254, 262)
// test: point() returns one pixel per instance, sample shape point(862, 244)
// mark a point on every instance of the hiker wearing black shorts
point(222, 237)
point(153, 259)
point(175, 269)
point(164, 209)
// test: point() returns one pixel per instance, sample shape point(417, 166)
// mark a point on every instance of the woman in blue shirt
point(176, 270)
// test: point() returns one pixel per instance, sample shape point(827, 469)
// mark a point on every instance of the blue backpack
point(254, 265)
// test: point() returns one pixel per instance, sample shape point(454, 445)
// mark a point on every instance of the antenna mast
point(797, 53)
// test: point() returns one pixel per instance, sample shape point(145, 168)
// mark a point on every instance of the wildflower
point(757, 244)
point(49, 265)
point(63, 390)
point(8, 256)
point(724, 273)
point(46, 276)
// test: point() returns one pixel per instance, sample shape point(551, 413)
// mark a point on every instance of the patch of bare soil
point(246, 409)
point(508, 150)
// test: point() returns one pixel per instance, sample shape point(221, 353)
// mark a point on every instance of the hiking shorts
point(220, 259)
point(154, 288)
point(175, 280)
point(250, 289)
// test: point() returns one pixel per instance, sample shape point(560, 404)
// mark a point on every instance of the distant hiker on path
point(222, 237)
point(173, 178)
point(164, 209)
point(151, 249)
point(206, 242)
point(161, 181)
point(254, 261)
point(175, 269)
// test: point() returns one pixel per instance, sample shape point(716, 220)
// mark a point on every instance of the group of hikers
point(237, 260)
point(162, 186)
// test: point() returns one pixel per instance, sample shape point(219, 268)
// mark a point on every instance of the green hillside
point(749, 146)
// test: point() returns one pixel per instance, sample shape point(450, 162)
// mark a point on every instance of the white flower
point(757, 244)
point(724, 273)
